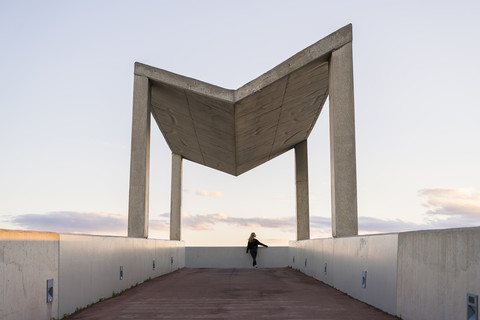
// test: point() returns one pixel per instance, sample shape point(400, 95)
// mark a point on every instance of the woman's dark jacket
point(253, 245)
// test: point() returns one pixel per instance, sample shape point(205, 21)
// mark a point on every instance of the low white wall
point(27, 261)
point(84, 269)
point(235, 257)
point(346, 259)
point(421, 275)
point(416, 275)
point(436, 270)
point(90, 266)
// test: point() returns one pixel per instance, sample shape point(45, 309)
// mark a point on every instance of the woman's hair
point(252, 235)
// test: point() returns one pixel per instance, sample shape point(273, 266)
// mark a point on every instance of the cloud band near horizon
point(446, 208)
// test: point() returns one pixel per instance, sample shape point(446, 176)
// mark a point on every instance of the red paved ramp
point(279, 293)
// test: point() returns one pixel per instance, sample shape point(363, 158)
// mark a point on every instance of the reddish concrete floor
point(280, 293)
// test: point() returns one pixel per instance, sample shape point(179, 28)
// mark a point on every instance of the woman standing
point(253, 247)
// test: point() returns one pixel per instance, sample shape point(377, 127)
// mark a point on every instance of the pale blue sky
point(66, 78)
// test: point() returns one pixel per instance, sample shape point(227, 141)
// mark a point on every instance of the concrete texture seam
point(279, 117)
point(193, 125)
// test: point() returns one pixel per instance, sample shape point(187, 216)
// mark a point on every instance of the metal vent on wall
point(364, 279)
point(49, 290)
point(472, 307)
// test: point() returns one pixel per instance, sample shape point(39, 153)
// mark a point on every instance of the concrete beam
point(301, 180)
point(176, 198)
point(342, 143)
point(140, 160)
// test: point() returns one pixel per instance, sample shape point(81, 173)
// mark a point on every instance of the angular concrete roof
point(237, 130)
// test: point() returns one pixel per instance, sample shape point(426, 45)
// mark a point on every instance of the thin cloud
point(158, 225)
point(320, 222)
point(83, 222)
point(204, 193)
point(159, 222)
point(452, 202)
point(375, 225)
point(206, 222)
point(73, 222)
point(446, 208)
point(320, 227)
point(201, 222)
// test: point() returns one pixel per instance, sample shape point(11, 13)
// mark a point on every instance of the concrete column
point(342, 143)
point(140, 160)
point(176, 198)
point(301, 180)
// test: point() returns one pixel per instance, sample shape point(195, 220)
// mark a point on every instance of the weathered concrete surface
point(84, 269)
point(90, 266)
point(301, 181)
point(237, 130)
point(342, 144)
point(418, 275)
point(140, 160)
point(233, 294)
point(339, 262)
point(436, 270)
point(27, 260)
point(176, 198)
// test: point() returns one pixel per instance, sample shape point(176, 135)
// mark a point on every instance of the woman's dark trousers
point(253, 253)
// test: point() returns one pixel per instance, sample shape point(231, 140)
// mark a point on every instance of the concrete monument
point(235, 131)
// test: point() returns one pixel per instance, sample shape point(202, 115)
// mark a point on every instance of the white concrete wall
point(27, 261)
point(90, 266)
point(436, 270)
point(84, 269)
point(416, 275)
point(235, 257)
point(346, 259)
point(421, 275)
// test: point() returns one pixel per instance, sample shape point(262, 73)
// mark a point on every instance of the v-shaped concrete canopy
point(237, 130)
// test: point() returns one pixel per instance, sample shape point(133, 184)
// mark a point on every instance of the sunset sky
point(66, 83)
